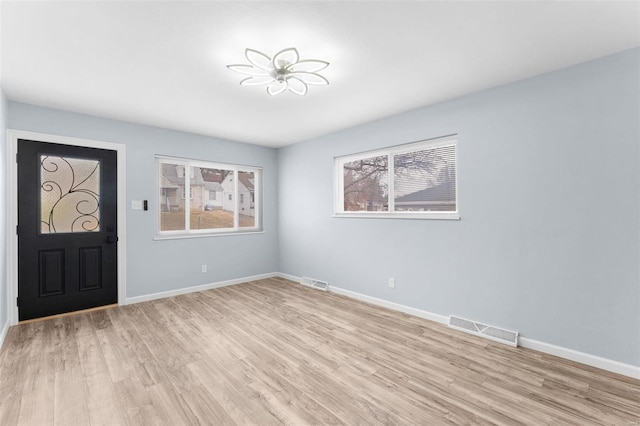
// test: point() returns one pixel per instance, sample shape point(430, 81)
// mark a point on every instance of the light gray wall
point(548, 188)
point(3, 217)
point(548, 243)
point(157, 266)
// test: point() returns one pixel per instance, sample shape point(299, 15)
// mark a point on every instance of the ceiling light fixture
point(284, 72)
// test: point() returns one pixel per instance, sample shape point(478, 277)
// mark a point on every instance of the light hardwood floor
point(274, 352)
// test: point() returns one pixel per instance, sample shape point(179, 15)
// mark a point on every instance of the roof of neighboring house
point(170, 173)
point(445, 192)
point(213, 186)
point(214, 175)
point(246, 180)
point(165, 183)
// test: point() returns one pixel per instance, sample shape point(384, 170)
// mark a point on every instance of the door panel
point(67, 228)
point(51, 272)
point(90, 268)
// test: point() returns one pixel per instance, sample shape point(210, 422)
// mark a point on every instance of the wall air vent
point(487, 331)
point(311, 282)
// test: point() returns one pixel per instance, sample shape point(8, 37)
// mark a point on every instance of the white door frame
point(12, 210)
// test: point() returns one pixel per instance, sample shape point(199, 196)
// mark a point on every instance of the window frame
point(390, 152)
point(196, 233)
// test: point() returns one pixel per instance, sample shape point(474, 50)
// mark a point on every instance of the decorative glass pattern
point(69, 195)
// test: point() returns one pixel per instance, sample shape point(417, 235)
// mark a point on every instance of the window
point(206, 211)
point(190, 193)
point(416, 180)
point(180, 172)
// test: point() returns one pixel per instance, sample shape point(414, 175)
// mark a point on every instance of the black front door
point(67, 228)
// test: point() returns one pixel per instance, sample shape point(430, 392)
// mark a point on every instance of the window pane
point(365, 184)
point(246, 194)
point(69, 194)
point(210, 205)
point(220, 197)
point(172, 197)
point(425, 180)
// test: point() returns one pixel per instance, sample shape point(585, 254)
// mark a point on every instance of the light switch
point(136, 204)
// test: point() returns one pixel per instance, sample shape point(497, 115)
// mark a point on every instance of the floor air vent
point(489, 332)
point(320, 285)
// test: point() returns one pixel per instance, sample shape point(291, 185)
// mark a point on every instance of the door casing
point(12, 210)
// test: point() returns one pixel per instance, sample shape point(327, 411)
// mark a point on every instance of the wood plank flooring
point(273, 352)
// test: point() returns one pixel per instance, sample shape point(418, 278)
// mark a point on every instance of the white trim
point(3, 333)
point(12, 209)
point(401, 215)
point(441, 319)
point(288, 277)
point(566, 353)
point(581, 357)
point(376, 301)
point(186, 290)
point(11, 202)
point(204, 235)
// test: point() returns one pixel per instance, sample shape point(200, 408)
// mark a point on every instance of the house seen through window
point(210, 208)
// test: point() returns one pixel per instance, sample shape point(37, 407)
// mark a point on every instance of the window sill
point(204, 235)
point(422, 216)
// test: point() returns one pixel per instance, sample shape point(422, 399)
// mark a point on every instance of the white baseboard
point(570, 354)
point(170, 293)
point(376, 301)
point(3, 333)
point(581, 357)
point(391, 305)
point(289, 277)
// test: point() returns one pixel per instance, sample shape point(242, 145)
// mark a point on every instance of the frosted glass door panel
point(69, 195)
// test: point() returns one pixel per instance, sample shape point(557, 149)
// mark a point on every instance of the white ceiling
point(163, 63)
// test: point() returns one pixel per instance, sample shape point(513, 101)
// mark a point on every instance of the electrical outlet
point(204, 269)
point(392, 283)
